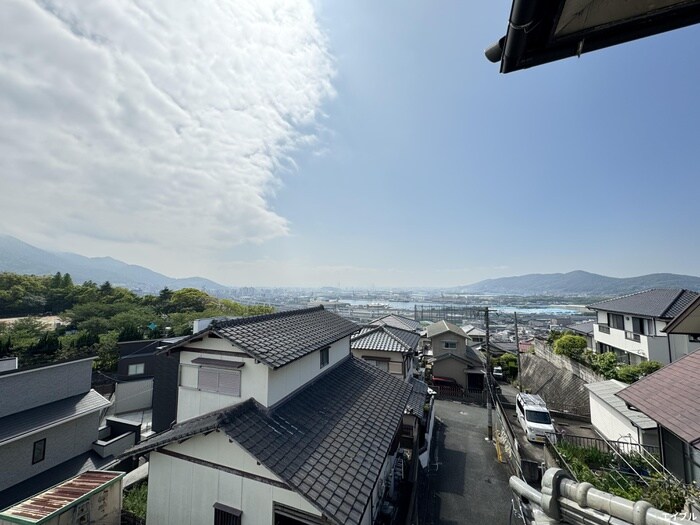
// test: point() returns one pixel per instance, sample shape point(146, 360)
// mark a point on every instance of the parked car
point(534, 418)
point(446, 385)
point(498, 373)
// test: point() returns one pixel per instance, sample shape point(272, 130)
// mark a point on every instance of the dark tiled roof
point(418, 398)
point(399, 321)
point(385, 338)
point(582, 328)
point(21, 423)
point(671, 397)
point(328, 441)
point(280, 338)
point(663, 303)
point(503, 346)
point(179, 432)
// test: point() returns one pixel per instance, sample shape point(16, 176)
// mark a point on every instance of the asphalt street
point(468, 485)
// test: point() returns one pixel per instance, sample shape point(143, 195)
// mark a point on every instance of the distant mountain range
point(19, 257)
point(579, 283)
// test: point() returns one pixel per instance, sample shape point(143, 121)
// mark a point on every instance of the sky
point(353, 144)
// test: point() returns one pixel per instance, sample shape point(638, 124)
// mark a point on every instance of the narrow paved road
point(468, 484)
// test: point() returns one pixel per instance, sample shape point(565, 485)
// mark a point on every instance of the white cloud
point(155, 123)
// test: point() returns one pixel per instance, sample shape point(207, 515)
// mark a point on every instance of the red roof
point(671, 397)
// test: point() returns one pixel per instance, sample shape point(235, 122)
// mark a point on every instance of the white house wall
point(183, 492)
point(285, 380)
point(610, 423)
point(193, 402)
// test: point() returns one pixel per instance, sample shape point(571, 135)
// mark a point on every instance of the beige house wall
point(395, 359)
point(437, 343)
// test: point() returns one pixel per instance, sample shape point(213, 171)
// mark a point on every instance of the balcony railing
point(604, 328)
point(631, 336)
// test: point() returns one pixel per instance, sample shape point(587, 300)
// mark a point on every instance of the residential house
point(453, 358)
point(671, 397)
point(147, 380)
point(399, 321)
point(277, 422)
point(614, 420)
point(499, 348)
point(388, 348)
point(633, 325)
point(585, 329)
point(50, 428)
point(467, 368)
point(446, 337)
point(475, 336)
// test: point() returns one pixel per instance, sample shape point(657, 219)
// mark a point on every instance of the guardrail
point(562, 500)
point(604, 445)
point(603, 328)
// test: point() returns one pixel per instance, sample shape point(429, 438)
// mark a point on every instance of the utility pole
point(517, 349)
point(489, 404)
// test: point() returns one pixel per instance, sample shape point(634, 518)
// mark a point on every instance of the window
point(225, 515)
point(694, 338)
point(382, 364)
point(39, 451)
point(325, 358)
point(220, 381)
point(136, 369)
point(449, 345)
point(616, 321)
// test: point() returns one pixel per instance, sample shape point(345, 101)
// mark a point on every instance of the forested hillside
point(95, 317)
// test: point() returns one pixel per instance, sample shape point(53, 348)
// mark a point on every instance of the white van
point(534, 417)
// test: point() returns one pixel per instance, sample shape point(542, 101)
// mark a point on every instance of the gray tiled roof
point(443, 326)
point(385, 338)
point(662, 303)
point(606, 391)
point(418, 398)
point(399, 321)
point(582, 328)
point(671, 397)
point(34, 419)
point(327, 442)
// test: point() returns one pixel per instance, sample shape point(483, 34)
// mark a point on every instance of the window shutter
point(230, 382)
point(208, 380)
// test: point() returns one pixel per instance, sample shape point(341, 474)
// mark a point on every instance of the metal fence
point(622, 447)
point(473, 396)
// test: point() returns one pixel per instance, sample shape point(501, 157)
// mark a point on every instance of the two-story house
point(388, 348)
point(50, 428)
point(633, 325)
point(277, 422)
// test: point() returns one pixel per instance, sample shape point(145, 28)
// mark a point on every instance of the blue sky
point(396, 154)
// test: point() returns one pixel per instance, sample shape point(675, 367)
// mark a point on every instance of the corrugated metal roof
point(606, 391)
point(671, 397)
point(662, 303)
point(42, 506)
point(36, 419)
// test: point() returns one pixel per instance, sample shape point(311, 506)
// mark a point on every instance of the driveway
point(467, 484)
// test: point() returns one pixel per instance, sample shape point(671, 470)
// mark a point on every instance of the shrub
point(135, 500)
point(571, 346)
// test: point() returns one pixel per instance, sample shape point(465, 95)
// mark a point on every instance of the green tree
point(189, 300)
point(571, 346)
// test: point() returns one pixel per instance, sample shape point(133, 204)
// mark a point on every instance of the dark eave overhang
point(531, 41)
